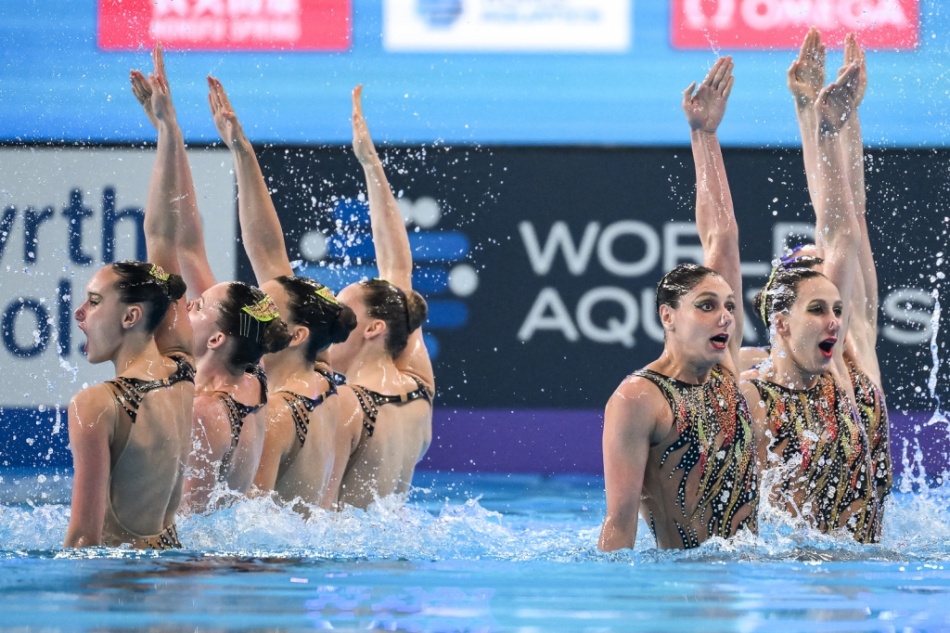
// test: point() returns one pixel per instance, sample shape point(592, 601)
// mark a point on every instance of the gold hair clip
point(158, 272)
point(263, 311)
point(327, 294)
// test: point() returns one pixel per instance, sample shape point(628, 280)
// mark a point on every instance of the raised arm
point(865, 301)
point(163, 207)
point(192, 258)
point(393, 255)
point(836, 228)
point(260, 227)
point(715, 219)
point(806, 78)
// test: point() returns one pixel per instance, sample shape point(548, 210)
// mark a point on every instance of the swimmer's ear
point(666, 318)
point(781, 324)
point(134, 313)
point(216, 340)
point(298, 335)
point(376, 328)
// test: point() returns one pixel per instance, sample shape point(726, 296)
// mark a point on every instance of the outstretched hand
point(363, 146)
point(224, 117)
point(854, 54)
point(705, 109)
point(806, 75)
point(837, 101)
point(153, 93)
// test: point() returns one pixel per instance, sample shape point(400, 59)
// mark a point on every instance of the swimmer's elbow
point(614, 536)
point(78, 539)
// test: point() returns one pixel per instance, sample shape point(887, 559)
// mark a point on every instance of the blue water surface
point(468, 553)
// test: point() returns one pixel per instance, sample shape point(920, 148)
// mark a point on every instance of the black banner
point(540, 264)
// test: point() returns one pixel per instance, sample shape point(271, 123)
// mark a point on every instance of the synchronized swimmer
point(325, 400)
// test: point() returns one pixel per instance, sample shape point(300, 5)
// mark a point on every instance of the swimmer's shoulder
point(93, 411)
point(639, 403)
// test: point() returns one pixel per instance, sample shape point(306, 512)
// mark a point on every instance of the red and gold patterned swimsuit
point(714, 442)
point(824, 456)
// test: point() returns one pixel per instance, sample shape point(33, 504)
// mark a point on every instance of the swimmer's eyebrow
point(709, 294)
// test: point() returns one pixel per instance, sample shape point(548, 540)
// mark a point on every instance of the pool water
point(469, 553)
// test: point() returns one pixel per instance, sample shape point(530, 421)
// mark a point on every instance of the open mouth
point(827, 347)
point(720, 341)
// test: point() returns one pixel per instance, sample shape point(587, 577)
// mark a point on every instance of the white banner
point(595, 26)
point(65, 213)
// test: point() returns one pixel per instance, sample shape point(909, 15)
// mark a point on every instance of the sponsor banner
point(234, 25)
point(770, 24)
point(64, 213)
point(502, 25)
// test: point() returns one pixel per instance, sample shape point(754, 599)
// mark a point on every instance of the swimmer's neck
point(682, 368)
point(379, 372)
point(289, 370)
point(138, 353)
point(215, 375)
point(785, 372)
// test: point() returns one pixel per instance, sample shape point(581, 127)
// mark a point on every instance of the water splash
point(938, 415)
point(489, 518)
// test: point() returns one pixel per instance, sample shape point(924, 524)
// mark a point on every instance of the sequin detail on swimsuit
point(715, 437)
point(816, 433)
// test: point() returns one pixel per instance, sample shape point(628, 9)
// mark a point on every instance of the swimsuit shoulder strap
point(129, 392)
point(370, 401)
point(301, 407)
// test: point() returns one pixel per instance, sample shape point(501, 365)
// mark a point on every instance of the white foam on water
point(431, 527)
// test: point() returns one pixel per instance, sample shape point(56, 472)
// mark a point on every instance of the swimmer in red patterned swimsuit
point(802, 398)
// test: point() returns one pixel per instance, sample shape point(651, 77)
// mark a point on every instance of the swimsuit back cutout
point(817, 433)
point(302, 406)
point(370, 401)
point(715, 443)
point(237, 412)
point(129, 394)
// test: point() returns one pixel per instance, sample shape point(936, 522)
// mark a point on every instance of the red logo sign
point(233, 25)
point(770, 24)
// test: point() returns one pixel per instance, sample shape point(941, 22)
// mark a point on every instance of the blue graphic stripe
point(446, 314)
point(427, 280)
point(426, 246)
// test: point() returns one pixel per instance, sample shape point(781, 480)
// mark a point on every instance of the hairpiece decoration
point(264, 310)
point(327, 294)
point(158, 272)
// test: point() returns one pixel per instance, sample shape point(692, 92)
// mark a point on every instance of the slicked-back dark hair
point(313, 306)
point(145, 283)
point(678, 282)
point(402, 312)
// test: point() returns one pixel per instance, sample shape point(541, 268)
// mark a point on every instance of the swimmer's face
point(809, 330)
point(101, 315)
point(204, 313)
point(342, 354)
point(704, 322)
